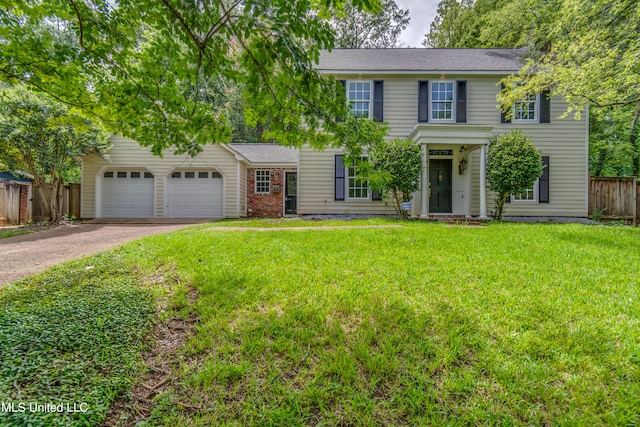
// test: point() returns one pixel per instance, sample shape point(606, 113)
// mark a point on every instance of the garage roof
point(266, 153)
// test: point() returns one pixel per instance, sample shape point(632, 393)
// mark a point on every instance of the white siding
point(126, 153)
point(316, 181)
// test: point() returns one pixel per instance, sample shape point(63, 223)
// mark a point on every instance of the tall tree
point(45, 138)
point(593, 58)
point(145, 66)
point(357, 28)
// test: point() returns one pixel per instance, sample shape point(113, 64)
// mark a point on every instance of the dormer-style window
point(359, 97)
point(442, 101)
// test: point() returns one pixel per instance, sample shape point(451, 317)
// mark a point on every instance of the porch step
point(455, 219)
point(445, 217)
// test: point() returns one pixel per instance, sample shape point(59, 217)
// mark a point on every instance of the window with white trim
point(442, 100)
point(359, 98)
point(530, 195)
point(526, 110)
point(357, 188)
point(263, 181)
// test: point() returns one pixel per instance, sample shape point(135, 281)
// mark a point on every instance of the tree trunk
point(55, 211)
point(500, 206)
point(633, 141)
point(52, 201)
point(403, 214)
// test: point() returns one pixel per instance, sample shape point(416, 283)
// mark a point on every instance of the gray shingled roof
point(421, 59)
point(266, 153)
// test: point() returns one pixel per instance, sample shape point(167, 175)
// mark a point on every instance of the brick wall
point(24, 204)
point(269, 205)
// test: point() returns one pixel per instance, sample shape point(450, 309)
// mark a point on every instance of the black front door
point(440, 185)
point(291, 193)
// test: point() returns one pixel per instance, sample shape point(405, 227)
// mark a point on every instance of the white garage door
point(127, 194)
point(195, 194)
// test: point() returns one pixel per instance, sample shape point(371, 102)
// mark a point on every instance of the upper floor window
point(359, 97)
point(357, 188)
point(263, 181)
point(442, 100)
point(526, 109)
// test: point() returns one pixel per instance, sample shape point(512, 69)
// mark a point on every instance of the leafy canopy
point(513, 165)
point(45, 138)
point(356, 28)
point(151, 69)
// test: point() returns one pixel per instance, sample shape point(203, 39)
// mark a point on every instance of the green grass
point(71, 335)
point(10, 233)
point(509, 324)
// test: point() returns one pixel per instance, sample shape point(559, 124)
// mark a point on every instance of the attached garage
point(195, 194)
point(127, 194)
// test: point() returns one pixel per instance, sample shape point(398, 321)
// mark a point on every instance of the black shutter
point(545, 107)
point(339, 177)
point(376, 195)
point(378, 100)
point(423, 101)
point(508, 199)
point(543, 182)
point(341, 92)
point(461, 102)
point(503, 117)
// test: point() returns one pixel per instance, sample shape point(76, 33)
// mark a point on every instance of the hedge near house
point(513, 165)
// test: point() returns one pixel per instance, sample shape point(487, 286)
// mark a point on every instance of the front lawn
point(509, 324)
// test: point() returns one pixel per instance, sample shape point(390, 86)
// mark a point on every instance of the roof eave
point(405, 72)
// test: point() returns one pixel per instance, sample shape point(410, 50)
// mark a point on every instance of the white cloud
point(422, 13)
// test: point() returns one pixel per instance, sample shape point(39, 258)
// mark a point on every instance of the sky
point(422, 13)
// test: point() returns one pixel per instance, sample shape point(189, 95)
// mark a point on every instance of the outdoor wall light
point(462, 167)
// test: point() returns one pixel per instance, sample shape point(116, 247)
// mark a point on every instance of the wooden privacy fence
point(15, 204)
point(615, 198)
point(70, 205)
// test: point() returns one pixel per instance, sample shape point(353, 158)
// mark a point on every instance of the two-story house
point(445, 100)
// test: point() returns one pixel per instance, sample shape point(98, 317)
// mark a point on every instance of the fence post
point(634, 191)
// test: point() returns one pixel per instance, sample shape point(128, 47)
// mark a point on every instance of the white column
point(483, 181)
point(424, 205)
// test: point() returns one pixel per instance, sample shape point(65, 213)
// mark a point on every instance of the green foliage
point(72, 334)
point(146, 67)
point(396, 167)
point(352, 132)
point(45, 138)
point(357, 28)
point(610, 153)
point(513, 165)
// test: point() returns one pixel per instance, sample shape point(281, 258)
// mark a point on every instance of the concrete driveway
point(28, 254)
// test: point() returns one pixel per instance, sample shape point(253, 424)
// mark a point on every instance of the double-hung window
point(359, 97)
point(357, 188)
point(526, 110)
point(442, 101)
point(263, 181)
